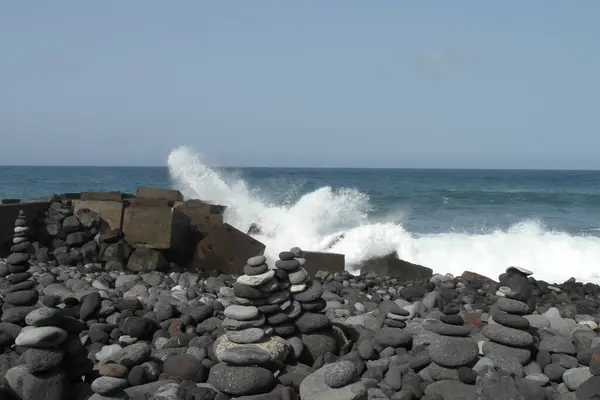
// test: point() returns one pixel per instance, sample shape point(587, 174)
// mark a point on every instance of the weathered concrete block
point(317, 261)
point(226, 250)
point(159, 193)
point(394, 267)
point(105, 196)
point(155, 226)
point(109, 211)
point(203, 216)
point(8, 213)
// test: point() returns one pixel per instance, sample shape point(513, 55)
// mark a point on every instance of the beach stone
point(340, 374)
point(313, 292)
point(595, 364)
point(447, 329)
point(250, 335)
point(186, 367)
point(22, 298)
point(256, 261)
point(311, 322)
point(453, 352)
point(511, 320)
point(315, 387)
point(507, 336)
point(298, 277)
point(576, 376)
point(241, 313)
point(234, 324)
point(392, 337)
point(493, 385)
point(240, 381)
point(45, 336)
point(17, 258)
point(497, 350)
point(244, 355)
point(451, 390)
point(287, 265)
point(113, 369)
point(255, 270)
point(512, 306)
point(50, 385)
point(44, 316)
point(558, 344)
point(256, 280)
point(275, 346)
point(40, 360)
point(108, 384)
point(90, 305)
point(590, 389)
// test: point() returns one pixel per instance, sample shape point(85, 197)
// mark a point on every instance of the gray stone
point(314, 387)
point(576, 376)
point(451, 390)
point(340, 374)
point(244, 356)
point(241, 313)
point(240, 381)
point(256, 261)
point(507, 336)
point(512, 306)
point(44, 336)
point(453, 352)
point(107, 384)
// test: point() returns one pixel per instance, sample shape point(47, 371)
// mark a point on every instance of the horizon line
point(315, 168)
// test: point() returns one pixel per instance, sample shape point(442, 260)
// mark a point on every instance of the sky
point(387, 83)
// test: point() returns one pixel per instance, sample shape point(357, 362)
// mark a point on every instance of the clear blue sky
point(301, 83)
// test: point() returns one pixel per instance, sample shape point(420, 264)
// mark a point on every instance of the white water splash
point(318, 218)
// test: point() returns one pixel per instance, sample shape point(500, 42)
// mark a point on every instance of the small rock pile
point(453, 352)
point(49, 357)
point(509, 340)
point(20, 293)
point(247, 352)
point(71, 236)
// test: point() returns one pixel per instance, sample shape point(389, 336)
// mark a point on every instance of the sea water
point(448, 220)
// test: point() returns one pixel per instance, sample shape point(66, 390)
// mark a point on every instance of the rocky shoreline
point(96, 330)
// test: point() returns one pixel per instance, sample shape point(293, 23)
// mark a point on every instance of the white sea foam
point(318, 219)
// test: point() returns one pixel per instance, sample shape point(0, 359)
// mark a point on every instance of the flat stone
point(451, 390)
point(256, 261)
point(507, 336)
point(244, 356)
point(392, 337)
point(234, 324)
point(108, 384)
point(520, 270)
point(446, 329)
point(17, 258)
point(511, 320)
point(23, 297)
point(113, 369)
point(301, 287)
point(245, 336)
point(315, 387)
point(512, 306)
point(257, 270)
point(287, 265)
point(241, 313)
point(496, 350)
point(275, 346)
point(45, 336)
point(256, 280)
point(313, 292)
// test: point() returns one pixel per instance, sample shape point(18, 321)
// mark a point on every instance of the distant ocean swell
point(315, 220)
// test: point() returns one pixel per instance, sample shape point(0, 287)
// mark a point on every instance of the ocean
point(448, 220)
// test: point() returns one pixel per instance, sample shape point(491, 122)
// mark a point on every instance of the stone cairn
point(454, 352)
point(270, 304)
point(509, 340)
point(71, 236)
point(20, 295)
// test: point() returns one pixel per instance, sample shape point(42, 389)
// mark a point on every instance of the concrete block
point(109, 211)
point(159, 193)
point(102, 196)
point(155, 226)
point(203, 216)
point(226, 250)
point(317, 261)
point(394, 267)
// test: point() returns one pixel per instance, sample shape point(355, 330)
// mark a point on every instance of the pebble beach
point(82, 323)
